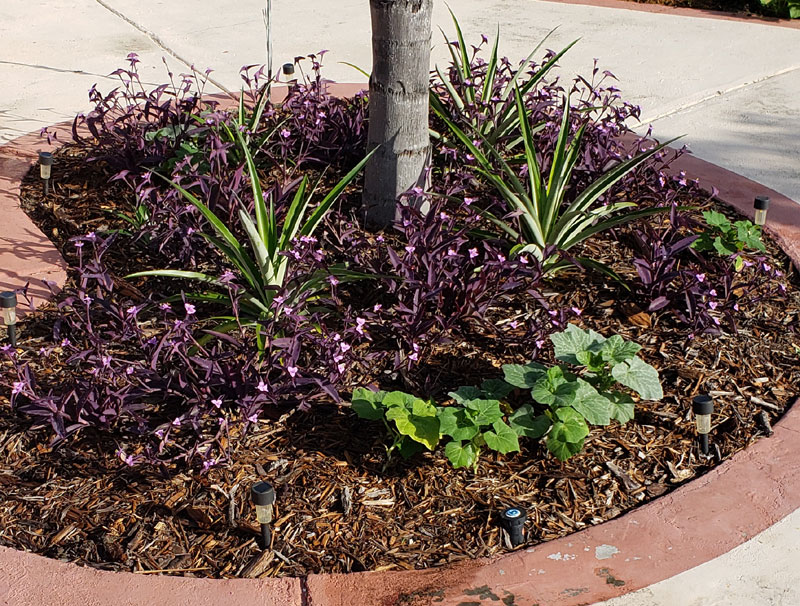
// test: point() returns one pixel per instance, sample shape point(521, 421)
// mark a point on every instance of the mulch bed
point(337, 510)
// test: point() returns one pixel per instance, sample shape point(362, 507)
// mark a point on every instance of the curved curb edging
point(697, 13)
point(691, 525)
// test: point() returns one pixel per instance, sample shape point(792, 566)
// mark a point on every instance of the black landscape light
point(703, 406)
point(761, 205)
point(288, 70)
point(45, 165)
point(8, 302)
point(513, 521)
point(263, 497)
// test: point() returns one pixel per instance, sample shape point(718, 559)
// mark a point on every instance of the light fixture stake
point(45, 165)
point(8, 303)
point(760, 206)
point(263, 496)
point(703, 406)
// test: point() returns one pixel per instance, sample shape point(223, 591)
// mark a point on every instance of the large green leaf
point(455, 422)
point(560, 447)
point(622, 406)
point(496, 389)
point(567, 343)
point(556, 388)
point(523, 376)
point(616, 350)
point(594, 407)
point(465, 394)
point(502, 438)
point(640, 377)
point(422, 429)
point(574, 426)
point(461, 454)
point(525, 422)
point(399, 398)
point(367, 404)
point(484, 412)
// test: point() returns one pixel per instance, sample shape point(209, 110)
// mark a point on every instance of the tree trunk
point(398, 104)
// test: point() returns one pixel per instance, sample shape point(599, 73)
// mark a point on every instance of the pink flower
point(285, 133)
point(344, 346)
point(700, 277)
point(333, 280)
point(341, 368)
point(253, 418)
point(513, 324)
point(473, 252)
point(190, 309)
point(18, 387)
point(262, 387)
point(209, 464)
point(377, 307)
point(576, 311)
point(410, 249)
point(360, 325)
point(217, 402)
point(451, 252)
point(468, 201)
point(292, 370)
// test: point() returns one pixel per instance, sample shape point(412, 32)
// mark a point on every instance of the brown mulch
point(337, 510)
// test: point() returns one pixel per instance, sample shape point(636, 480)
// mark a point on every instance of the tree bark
point(398, 104)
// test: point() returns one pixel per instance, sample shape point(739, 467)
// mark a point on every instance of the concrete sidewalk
point(732, 87)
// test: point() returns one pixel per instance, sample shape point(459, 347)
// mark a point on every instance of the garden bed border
point(697, 522)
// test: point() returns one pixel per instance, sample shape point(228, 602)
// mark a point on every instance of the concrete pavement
point(732, 87)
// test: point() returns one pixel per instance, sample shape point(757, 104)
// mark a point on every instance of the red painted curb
point(685, 12)
point(695, 523)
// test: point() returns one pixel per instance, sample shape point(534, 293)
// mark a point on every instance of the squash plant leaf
point(461, 454)
point(367, 404)
point(523, 376)
point(526, 423)
point(456, 423)
point(594, 407)
point(622, 406)
point(503, 439)
point(640, 377)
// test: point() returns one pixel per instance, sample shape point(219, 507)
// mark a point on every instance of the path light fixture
point(761, 205)
point(703, 406)
point(8, 303)
point(288, 71)
point(45, 165)
point(263, 496)
point(513, 521)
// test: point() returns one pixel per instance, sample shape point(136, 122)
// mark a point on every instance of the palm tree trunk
point(398, 104)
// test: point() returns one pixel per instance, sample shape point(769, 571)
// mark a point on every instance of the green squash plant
point(573, 401)
point(564, 403)
point(728, 238)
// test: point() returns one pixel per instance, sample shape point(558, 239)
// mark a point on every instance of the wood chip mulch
point(337, 510)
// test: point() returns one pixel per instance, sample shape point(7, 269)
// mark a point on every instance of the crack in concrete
point(158, 42)
point(60, 70)
point(717, 95)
